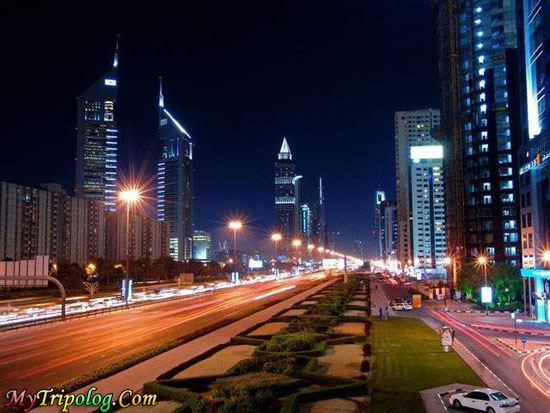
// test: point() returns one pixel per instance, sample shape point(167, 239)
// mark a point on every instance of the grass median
point(408, 358)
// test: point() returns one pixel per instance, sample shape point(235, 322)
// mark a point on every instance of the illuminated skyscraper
point(534, 58)
point(480, 96)
point(379, 227)
point(175, 183)
point(287, 195)
point(412, 128)
point(97, 139)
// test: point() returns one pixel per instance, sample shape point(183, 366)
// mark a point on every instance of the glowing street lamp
point(130, 197)
point(276, 237)
point(235, 226)
point(545, 258)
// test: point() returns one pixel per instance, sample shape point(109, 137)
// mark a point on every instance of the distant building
point(306, 218)
point(379, 227)
point(202, 244)
point(389, 223)
point(287, 195)
point(412, 128)
point(427, 206)
point(97, 140)
point(49, 222)
point(175, 183)
point(148, 237)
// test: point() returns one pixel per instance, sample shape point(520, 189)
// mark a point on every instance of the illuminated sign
point(110, 82)
point(535, 273)
point(426, 152)
point(255, 264)
point(539, 159)
point(333, 264)
point(486, 295)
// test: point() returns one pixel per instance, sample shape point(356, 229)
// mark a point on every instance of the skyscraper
point(484, 31)
point(534, 154)
point(412, 128)
point(202, 245)
point(427, 206)
point(379, 226)
point(287, 195)
point(97, 139)
point(306, 219)
point(175, 182)
point(389, 221)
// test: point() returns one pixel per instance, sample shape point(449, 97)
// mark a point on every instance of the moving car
point(487, 400)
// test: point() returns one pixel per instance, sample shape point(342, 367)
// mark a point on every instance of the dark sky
point(239, 75)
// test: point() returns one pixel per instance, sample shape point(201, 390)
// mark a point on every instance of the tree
point(92, 287)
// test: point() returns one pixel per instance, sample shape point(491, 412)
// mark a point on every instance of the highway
point(41, 356)
point(526, 376)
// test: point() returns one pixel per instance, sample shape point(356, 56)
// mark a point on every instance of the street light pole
point(128, 196)
point(127, 251)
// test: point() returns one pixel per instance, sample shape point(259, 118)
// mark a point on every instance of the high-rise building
point(175, 182)
point(450, 132)
point(379, 227)
point(389, 222)
point(306, 220)
point(412, 128)
point(97, 139)
point(202, 244)
point(483, 32)
point(287, 195)
point(47, 221)
point(533, 22)
point(427, 204)
point(148, 238)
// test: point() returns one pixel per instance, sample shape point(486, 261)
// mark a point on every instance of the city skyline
point(227, 124)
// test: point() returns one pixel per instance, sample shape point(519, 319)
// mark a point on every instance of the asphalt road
point(505, 363)
point(39, 357)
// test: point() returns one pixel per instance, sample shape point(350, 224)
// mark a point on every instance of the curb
point(524, 332)
point(538, 350)
point(476, 311)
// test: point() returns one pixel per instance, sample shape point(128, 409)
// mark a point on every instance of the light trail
point(40, 312)
point(535, 373)
point(280, 290)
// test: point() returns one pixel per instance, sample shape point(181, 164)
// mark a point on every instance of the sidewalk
point(134, 377)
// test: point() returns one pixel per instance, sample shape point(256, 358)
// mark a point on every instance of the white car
point(487, 400)
point(401, 306)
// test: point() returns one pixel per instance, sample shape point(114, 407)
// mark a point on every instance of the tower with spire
point(97, 139)
point(175, 182)
point(287, 195)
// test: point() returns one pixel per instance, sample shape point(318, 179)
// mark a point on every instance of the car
point(487, 400)
point(401, 306)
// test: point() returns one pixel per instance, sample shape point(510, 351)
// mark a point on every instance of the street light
point(235, 226)
point(545, 257)
point(276, 237)
point(129, 196)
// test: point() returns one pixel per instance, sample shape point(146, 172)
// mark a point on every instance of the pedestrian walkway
point(379, 299)
point(134, 377)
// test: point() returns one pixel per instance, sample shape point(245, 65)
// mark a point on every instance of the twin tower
point(97, 156)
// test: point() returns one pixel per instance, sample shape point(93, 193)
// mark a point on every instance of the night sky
point(239, 75)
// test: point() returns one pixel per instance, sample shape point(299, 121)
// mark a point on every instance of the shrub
point(244, 402)
point(367, 349)
point(284, 343)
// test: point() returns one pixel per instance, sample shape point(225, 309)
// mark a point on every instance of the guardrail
point(99, 311)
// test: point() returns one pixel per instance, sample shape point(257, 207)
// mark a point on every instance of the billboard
point(255, 264)
point(333, 264)
point(38, 267)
